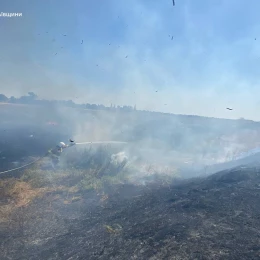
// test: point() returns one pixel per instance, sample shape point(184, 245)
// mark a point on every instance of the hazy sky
point(201, 56)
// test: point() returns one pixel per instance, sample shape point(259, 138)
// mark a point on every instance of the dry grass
point(16, 194)
point(5, 212)
point(23, 193)
point(19, 193)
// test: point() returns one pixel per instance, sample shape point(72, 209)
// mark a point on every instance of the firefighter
point(55, 152)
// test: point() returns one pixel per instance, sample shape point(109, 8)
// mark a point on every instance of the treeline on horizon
point(32, 98)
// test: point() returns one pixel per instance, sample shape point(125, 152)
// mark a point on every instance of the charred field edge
point(95, 214)
point(90, 209)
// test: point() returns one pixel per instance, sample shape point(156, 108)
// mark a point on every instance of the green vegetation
point(79, 172)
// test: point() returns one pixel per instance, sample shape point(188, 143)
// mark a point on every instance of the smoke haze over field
point(156, 142)
point(147, 95)
point(186, 59)
point(156, 77)
point(194, 58)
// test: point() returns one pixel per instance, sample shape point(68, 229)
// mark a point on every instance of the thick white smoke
point(119, 158)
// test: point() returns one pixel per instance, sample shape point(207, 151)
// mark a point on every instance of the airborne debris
point(52, 123)
point(116, 229)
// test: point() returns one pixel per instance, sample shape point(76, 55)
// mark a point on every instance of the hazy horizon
point(194, 58)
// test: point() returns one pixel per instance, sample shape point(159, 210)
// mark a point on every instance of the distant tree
point(30, 99)
point(13, 99)
point(32, 95)
point(93, 106)
point(3, 98)
point(70, 103)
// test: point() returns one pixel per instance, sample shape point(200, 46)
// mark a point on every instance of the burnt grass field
point(88, 209)
point(217, 217)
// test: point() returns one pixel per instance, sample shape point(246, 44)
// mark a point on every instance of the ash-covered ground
point(211, 218)
point(96, 207)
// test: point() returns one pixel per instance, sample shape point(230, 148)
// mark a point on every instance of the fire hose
point(40, 158)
